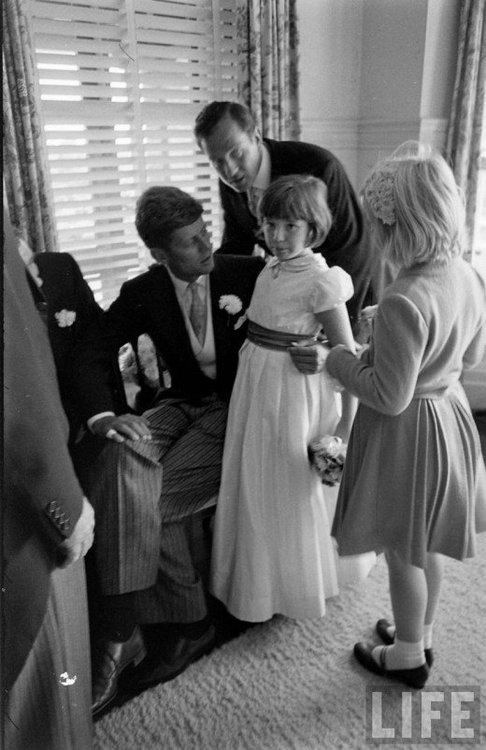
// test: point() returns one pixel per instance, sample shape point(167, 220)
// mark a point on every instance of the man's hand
point(77, 545)
point(309, 359)
point(122, 427)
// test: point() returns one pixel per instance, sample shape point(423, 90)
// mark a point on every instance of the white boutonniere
point(233, 305)
point(65, 318)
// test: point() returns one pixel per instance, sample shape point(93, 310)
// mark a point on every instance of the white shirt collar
point(262, 180)
point(181, 286)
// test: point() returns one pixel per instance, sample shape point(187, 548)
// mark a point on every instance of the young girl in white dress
point(272, 550)
point(414, 482)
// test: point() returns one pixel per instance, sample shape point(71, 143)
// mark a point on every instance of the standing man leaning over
point(156, 470)
point(246, 164)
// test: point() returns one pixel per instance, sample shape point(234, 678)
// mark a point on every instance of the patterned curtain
point(268, 80)
point(466, 121)
point(24, 163)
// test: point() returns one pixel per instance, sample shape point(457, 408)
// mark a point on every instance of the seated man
point(158, 469)
point(68, 307)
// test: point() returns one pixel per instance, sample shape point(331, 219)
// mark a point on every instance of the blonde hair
point(297, 196)
point(414, 206)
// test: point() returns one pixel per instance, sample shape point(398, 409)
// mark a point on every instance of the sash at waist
point(444, 391)
point(269, 339)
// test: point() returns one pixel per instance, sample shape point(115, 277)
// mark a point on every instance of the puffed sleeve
point(332, 287)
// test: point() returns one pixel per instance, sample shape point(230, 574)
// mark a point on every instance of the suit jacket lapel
point(220, 327)
point(272, 147)
point(39, 297)
point(168, 317)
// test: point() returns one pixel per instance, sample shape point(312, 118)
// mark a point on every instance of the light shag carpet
point(295, 685)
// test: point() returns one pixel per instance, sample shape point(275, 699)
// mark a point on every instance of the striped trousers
point(143, 493)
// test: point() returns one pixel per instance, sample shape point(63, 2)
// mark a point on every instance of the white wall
point(439, 70)
point(375, 73)
point(330, 75)
point(391, 77)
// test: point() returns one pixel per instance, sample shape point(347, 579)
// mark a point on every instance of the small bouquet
point(327, 455)
point(365, 324)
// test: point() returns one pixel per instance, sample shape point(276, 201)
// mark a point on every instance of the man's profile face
point(189, 253)
point(235, 154)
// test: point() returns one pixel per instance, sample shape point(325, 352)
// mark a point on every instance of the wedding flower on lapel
point(65, 318)
point(233, 305)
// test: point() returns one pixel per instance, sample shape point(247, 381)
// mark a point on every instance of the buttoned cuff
point(59, 518)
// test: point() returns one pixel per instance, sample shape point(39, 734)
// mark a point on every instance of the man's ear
point(158, 254)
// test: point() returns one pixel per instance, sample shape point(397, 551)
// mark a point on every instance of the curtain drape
point(26, 178)
point(268, 65)
point(466, 121)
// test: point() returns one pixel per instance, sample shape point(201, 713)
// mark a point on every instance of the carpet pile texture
point(296, 685)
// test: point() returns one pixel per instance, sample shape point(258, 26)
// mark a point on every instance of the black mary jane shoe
point(414, 678)
point(382, 630)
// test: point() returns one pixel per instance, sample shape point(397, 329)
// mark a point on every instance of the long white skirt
point(272, 549)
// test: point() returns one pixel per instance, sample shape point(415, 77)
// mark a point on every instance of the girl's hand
point(309, 359)
point(343, 430)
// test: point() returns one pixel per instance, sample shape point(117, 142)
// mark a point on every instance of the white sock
point(402, 655)
point(428, 635)
point(391, 630)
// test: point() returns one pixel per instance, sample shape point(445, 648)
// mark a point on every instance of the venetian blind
point(120, 85)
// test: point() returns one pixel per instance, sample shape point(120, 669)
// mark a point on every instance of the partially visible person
point(272, 547)
point(246, 164)
point(47, 529)
point(69, 309)
point(157, 470)
point(414, 483)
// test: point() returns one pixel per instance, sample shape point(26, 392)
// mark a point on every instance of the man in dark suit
point(47, 529)
point(158, 469)
point(246, 164)
point(69, 308)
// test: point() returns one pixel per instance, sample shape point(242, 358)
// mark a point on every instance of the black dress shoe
point(110, 659)
point(414, 678)
point(389, 640)
point(161, 666)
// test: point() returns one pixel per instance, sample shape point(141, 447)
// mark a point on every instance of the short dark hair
point(214, 112)
point(298, 196)
point(160, 211)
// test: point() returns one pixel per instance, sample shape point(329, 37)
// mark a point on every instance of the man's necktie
point(197, 311)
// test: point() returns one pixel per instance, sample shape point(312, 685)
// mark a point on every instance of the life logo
point(436, 714)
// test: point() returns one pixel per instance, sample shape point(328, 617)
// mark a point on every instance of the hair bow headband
point(378, 193)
